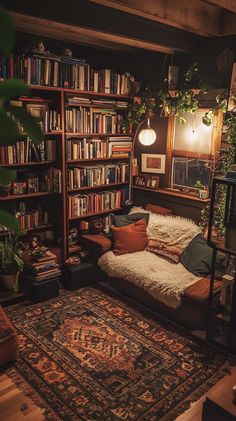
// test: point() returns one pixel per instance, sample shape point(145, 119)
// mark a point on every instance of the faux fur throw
point(163, 280)
point(170, 230)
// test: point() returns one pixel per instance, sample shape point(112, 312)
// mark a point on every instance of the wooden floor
point(14, 405)
point(217, 393)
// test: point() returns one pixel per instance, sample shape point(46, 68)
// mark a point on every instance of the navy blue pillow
point(123, 220)
point(197, 256)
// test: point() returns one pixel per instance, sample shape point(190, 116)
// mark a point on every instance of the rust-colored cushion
point(96, 243)
point(130, 238)
point(158, 209)
point(8, 340)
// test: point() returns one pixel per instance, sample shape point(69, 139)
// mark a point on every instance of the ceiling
point(203, 17)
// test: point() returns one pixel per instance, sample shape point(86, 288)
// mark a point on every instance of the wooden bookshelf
point(30, 230)
point(101, 186)
point(73, 218)
point(59, 205)
point(28, 164)
point(25, 196)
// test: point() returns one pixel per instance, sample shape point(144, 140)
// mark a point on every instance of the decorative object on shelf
point(83, 227)
point(5, 189)
point(72, 235)
point(147, 181)
point(19, 187)
point(153, 163)
point(11, 262)
point(96, 226)
point(33, 185)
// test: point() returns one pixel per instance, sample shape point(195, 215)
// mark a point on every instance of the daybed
point(166, 287)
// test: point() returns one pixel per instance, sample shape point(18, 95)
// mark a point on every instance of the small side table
point(220, 403)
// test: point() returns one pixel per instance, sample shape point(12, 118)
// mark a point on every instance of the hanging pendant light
point(147, 136)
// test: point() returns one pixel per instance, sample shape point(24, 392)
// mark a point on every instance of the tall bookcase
point(58, 203)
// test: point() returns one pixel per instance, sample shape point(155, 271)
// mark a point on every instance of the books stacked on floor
point(41, 266)
point(39, 68)
point(89, 204)
point(105, 103)
point(93, 120)
point(97, 175)
point(25, 151)
point(119, 147)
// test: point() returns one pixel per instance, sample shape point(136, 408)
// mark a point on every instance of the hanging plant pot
point(173, 93)
point(10, 281)
point(196, 91)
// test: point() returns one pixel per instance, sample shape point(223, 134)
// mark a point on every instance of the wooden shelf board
point(73, 161)
point(27, 164)
point(25, 196)
point(97, 187)
point(29, 230)
point(71, 134)
point(51, 133)
point(94, 214)
point(77, 91)
point(170, 192)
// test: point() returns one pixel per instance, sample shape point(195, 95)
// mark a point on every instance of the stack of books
point(25, 151)
point(119, 147)
point(93, 120)
point(32, 219)
point(103, 103)
point(42, 267)
point(97, 175)
point(89, 204)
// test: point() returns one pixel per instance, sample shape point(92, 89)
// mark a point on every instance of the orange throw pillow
point(130, 238)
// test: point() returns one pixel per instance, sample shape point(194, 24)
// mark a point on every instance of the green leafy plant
point(10, 256)
point(11, 116)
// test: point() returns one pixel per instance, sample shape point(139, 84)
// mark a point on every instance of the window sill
point(173, 192)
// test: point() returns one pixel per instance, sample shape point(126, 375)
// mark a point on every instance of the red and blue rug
point(88, 355)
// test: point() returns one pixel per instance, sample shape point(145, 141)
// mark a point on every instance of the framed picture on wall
point(232, 90)
point(153, 163)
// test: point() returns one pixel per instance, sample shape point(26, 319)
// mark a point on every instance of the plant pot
point(11, 281)
point(173, 93)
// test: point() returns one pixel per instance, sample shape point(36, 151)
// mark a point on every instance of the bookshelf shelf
point(26, 196)
point(74, 161)
point(30, 230)
point(71, 134)
point(102, 186)
point(77, 91)
point(95, 214)
point(28, 164)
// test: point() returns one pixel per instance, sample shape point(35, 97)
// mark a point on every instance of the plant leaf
point(7, 176)
point(11, 88)
point(7, 33)
point(9, 131)
point(29, 124)
point(9, 221)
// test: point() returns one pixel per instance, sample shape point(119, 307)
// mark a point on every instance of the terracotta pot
point(11, 281)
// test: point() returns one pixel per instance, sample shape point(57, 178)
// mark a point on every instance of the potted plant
point(11, 263)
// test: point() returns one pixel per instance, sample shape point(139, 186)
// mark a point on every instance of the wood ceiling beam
point(194, 16)
point(229, 24)
point(66, 32)
point(224, 4)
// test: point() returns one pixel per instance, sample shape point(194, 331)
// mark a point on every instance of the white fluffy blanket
point(165, 281)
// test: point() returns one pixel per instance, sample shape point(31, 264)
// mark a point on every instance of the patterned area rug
point(87, 355)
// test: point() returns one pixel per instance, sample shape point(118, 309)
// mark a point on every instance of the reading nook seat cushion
point(8, 340)
point(130, 238)
point(197, 256)
point(123, 220)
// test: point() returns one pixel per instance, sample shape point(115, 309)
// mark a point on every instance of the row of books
point(104, 103)
point(93, 120)
point(92, 176)
point(88, 204)
point(51, 70)
point(49, 181)
point(26, 151)
point(99, 148)
point(51, 121)
point(32, 219)
point(42, 267)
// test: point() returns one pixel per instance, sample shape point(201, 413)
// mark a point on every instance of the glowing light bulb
point(147, 136)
